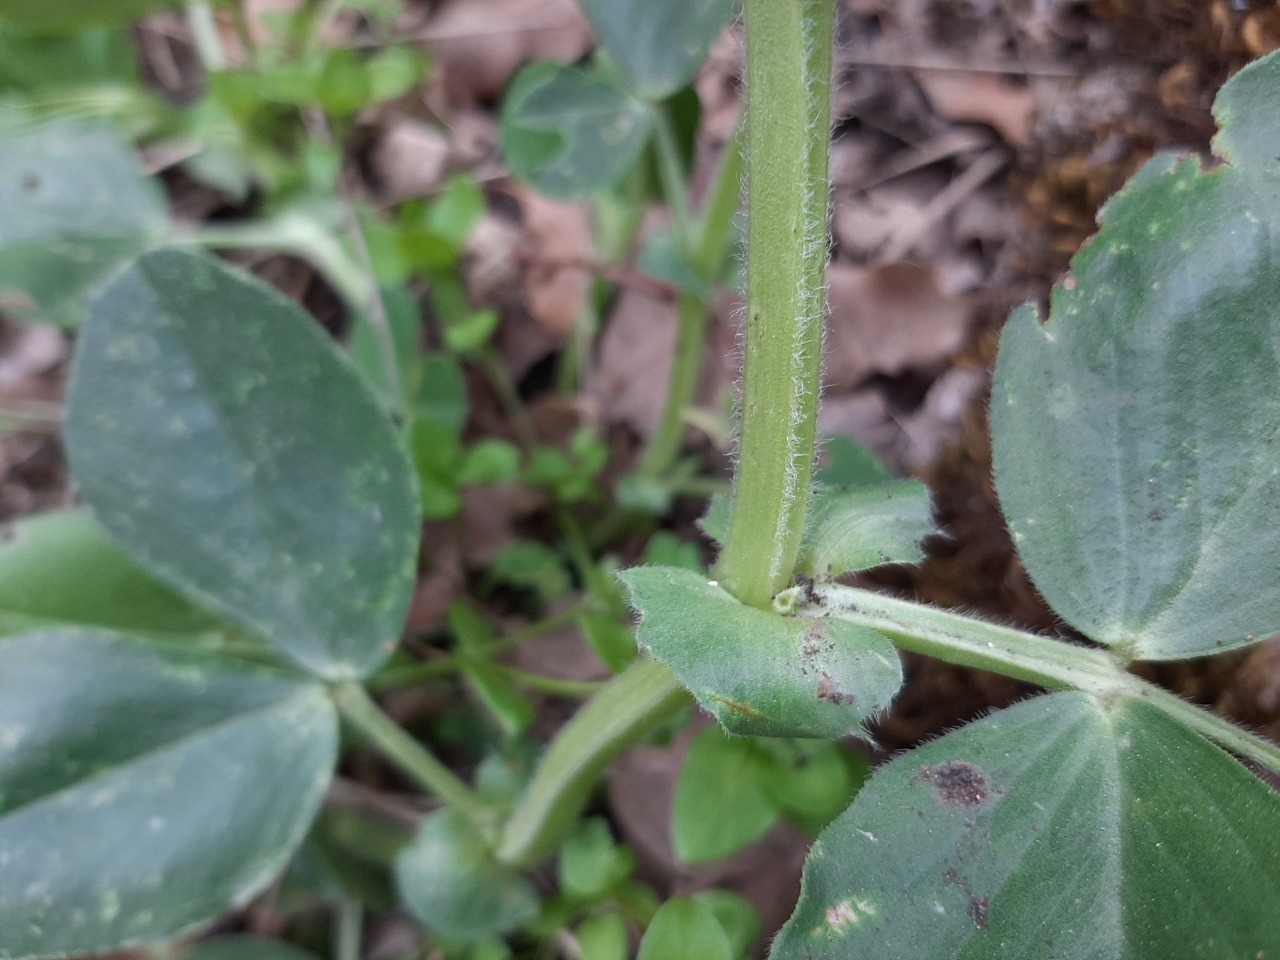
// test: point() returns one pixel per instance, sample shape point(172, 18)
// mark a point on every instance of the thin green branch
point(371, 305)
point(407, 754)
point(1055, 664)
point(555, 686)
point(707, 256)
point(405, 675)
point(672, 174)
point(205, 37)
point(682, 385)
point(716, 227)
point(296, 234)
point(787, 135)
point(348, 928)
point(629, 707)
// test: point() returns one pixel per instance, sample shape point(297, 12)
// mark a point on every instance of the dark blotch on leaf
point(829, 689)
point(978, 911)
point(957, 782)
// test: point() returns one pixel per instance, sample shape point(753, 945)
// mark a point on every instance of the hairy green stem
point(970, 642)
point(1055, 664)
point(408, 755)
point(787, 136)
point(630, 706)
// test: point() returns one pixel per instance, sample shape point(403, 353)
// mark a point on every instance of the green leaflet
point(571, 133)
point(685, 929)
point(1135, 434)
point(61, 568)
point(756, 671)
point(721, 804)
point(591, 863)
point(850, 528)
point(658, 44)
point(602, 937)
point(450, 881)
point(1061, 827)
point(221, 438)
point(143, 789)
point(77, 207)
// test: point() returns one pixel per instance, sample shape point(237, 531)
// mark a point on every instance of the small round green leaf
point(602, 937)
point(62, 568)
point(721, 804)
point(1062, 827)
point(758, 672)
point(684, 929)
point(76, 207)
point(221, 438)
point(849, 529)
point(658, 44)
point(449, 879)
point(591, 863)
point(736, 915)
point(144, 789)
point(571, 133)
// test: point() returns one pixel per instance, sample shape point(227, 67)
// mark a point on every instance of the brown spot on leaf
point(978, 911)
point(738, 707)
point(957, 782)
point(829, 688)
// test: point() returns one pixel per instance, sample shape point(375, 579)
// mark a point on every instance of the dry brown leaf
point(864, 224)
point(564, 654)
point(557, 250)
point(478, 44)
point(642, 788)
point(410, 159)
point(33, 350)
point(719, 88)
point(1261, 32)
point(972, 97)
point(864, 415)
point(888, 319)
point(443, 582)
point(629, 379)
point(489, 516)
